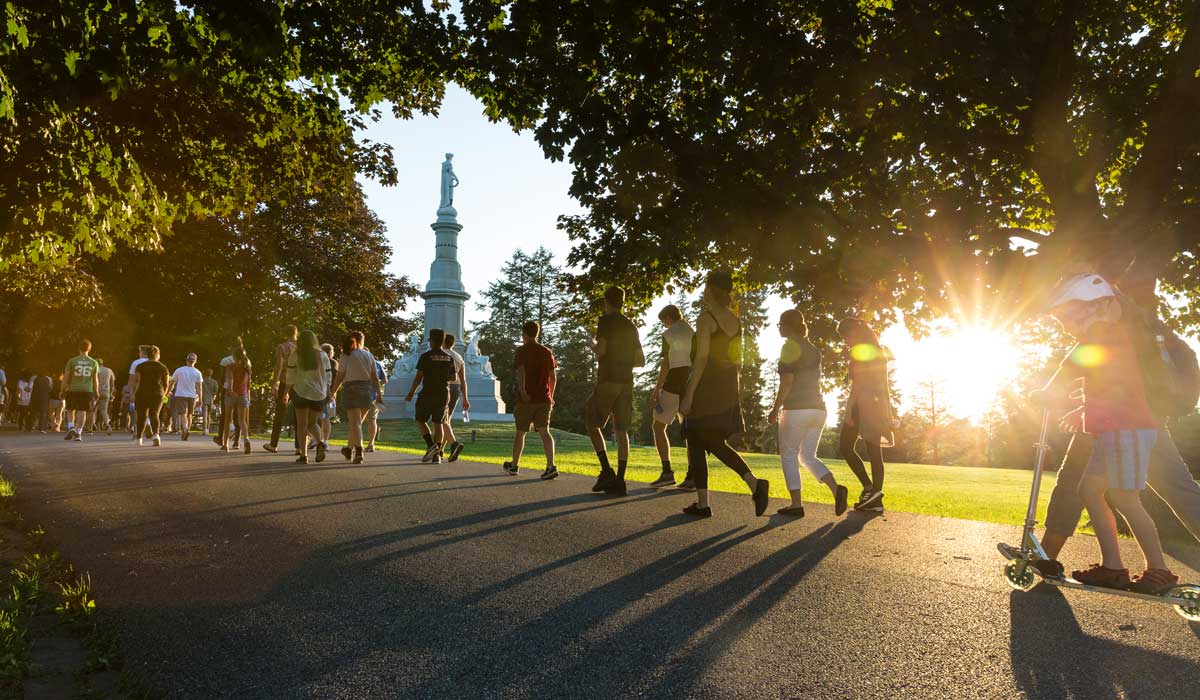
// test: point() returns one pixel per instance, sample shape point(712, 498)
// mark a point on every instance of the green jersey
point(81, 374)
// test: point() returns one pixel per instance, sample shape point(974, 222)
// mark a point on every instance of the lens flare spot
point(864, 352)
point(1090, 355)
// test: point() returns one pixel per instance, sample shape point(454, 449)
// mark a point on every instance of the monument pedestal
point(482, 386)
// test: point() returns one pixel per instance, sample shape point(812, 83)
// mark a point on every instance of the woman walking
point(868, 409)
point(149, 390)
point(800, 412)
point(356, 371)
point(329, 408)
point(237, 398)
point(711, 404)
point(307, 380)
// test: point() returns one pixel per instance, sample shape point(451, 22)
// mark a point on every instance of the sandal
point(1154, 582)
point(1097, 575)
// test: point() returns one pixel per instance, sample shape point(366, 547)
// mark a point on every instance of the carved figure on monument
point(449, 182)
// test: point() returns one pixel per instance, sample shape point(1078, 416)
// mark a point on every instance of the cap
point(1087, 287)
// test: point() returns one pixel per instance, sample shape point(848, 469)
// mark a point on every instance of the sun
point(963, 366)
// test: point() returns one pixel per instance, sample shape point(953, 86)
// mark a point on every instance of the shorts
point(236, 401)
point(455, 395)
point(432, 408)
point(1123, 457)
point(183, 404)
point(536, 415)
point(666, 410)
point(610, 399)
point(307, 404)
point(357, 395)
point(79, 400)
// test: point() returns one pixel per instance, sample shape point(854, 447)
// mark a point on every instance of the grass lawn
point(991, 495)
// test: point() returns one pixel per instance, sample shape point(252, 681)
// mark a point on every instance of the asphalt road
point(232, 576)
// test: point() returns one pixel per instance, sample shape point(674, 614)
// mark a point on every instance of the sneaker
point(455, 450)
point(762, 495)
point(1097, 575)
point(437, 458)
point(140, 442)
point(429, 453)
point(237, 443)
point(875, 505)
point(1154, 582)
point(78, 437)
point(157, 441)
point(667, 478)
point(550, 473)
point(266, 446)
point(70, 435)
point(511, 468)
point(223, 448)
point(346, 452)
point(358, 455)
point(185, 435)
point(840, 500)
point(302, 459)
point(687, 485)
point(370, 448)
point(246, 447)
point(320, 452)
point(606, 475)
point(615, 487)
point(696, 511)
point(866, 496)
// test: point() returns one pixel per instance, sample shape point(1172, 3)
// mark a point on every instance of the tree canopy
point(121, 118)
point(864, 156)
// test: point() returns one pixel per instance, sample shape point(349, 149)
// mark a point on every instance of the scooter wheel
point(1019, 575)
point(1191, 610)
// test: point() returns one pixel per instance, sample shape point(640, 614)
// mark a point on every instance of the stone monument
point(445, 303)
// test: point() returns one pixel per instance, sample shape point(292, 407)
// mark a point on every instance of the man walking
point(618, 350)
point(187, 385)
point(537, 376)
point(81, 385)
point(143, 351)
point(434, 370)
point(282, 352)
point(458, 389)
point(373, 411)
point(672, 382)
point(107, 380)
point(208, 394)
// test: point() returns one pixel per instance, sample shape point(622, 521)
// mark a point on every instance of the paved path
point(252, 577)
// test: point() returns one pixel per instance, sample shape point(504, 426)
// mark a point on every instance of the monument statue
point(445, 307)
point(449, 182)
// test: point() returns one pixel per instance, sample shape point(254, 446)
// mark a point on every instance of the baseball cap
point(1087, 287)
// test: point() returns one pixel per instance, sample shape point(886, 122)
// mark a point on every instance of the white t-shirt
point(225, 363)
point(133, 367)
point(311, 384)
point(679, 344)
point(106, 377)
point(186, 378)
point(359, 366)
point(24, 392)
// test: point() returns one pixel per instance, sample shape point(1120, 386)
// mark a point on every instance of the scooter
point(1022, 574)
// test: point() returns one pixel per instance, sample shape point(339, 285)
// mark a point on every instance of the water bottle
point(466, 416)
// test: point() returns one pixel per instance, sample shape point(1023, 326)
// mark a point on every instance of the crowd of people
point(1119, 446)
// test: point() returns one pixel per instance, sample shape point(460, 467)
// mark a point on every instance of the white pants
point(799, 436)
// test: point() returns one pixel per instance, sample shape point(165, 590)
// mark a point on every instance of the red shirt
point(241, 381)
point(539, 366)
point(1114, 396)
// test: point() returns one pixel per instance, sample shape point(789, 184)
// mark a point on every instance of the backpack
point(1170, 370)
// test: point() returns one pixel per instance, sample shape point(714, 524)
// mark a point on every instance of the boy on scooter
point(1116, 413)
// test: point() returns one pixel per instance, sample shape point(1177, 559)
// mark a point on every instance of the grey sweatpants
point(1168, 477)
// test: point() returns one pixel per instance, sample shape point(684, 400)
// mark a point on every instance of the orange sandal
point(1098, 575)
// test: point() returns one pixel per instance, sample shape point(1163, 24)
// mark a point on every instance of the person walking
point(143, 352)
point(329, 407)
point(187, 386)
point(868, 412)
point(668, 390)
point(228, 421)
point(711, 404)
point(356, 371)
point(308, 383)
point(57, 402)
point(458, 390)
point(799, 409)
point(24, 402)
point(537, 376)
point(39, 402)
point(372, 419)
point(237, 398)
point(80, 389)
point(435, 368)
point(618, 350)
point(208, 394)
point(107, 380)
point(282, 352)
point(149, 390)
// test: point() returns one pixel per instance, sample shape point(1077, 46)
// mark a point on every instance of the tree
point(122, 118)
point(531, 288)
point(928, 410)
point(868, 156)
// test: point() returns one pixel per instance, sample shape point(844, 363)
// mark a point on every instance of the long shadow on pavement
point(1053, 658)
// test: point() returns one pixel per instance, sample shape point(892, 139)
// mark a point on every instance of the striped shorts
point(1123, 457)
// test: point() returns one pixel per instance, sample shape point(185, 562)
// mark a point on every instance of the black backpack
point(1170, 370)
